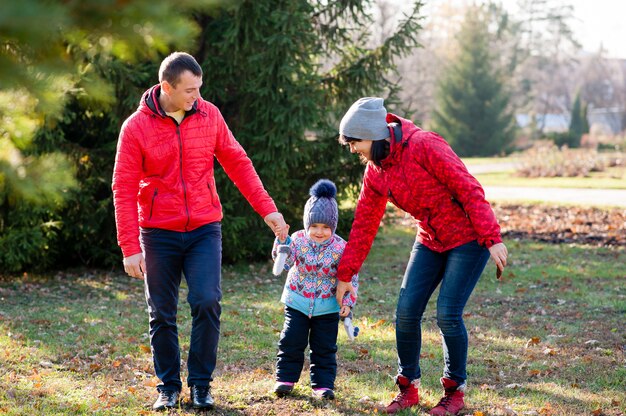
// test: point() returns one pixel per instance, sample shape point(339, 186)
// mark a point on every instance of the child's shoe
point(408, 396)
point(452, 402)
point(324, 393)
point(283, 388)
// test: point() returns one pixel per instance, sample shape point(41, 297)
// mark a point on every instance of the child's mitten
point(279, 262)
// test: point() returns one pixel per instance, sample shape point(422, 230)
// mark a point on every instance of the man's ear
point(166, 87)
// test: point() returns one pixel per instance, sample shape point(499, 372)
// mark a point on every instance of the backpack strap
point(395, 130)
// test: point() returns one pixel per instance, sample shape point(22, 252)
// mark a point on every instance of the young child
point(311, 309)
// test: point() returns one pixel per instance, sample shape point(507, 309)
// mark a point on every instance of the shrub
point(545, 159)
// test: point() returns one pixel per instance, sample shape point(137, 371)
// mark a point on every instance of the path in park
point(594, 197)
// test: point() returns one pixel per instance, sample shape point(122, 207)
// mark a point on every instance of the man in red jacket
point(168, 217)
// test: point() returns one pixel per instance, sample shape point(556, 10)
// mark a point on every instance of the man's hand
point(277, 223)
point(499, 253)
point(344, 311)
point(342, 289)
point(135, 265)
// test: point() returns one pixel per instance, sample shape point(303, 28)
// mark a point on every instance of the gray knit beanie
point(321, 208)
point(366, 119)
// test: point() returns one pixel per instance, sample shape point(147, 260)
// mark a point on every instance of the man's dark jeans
point(197, 255)
point(458, 271)
point(320, 333)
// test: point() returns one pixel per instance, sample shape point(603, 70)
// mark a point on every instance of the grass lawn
point(548, 340)
point(503, 174)
point(612, 178)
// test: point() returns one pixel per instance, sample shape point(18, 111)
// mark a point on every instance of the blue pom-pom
point(356, 331)
point(323, 189)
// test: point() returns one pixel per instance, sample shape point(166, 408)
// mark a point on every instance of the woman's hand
point(499, 253)
point(342, 289)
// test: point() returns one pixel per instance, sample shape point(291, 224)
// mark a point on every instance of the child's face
point(319, 232)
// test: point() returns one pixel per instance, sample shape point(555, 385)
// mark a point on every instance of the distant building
point(607, 120)
point(548, 123)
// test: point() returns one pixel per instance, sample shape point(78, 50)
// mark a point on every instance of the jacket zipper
point(182, 178)
point(156, 191)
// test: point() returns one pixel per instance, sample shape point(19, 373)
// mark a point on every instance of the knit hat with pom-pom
point(321, 208)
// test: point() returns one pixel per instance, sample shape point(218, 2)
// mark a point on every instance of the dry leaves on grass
point(553, 224)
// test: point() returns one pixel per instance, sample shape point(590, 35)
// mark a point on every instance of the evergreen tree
point(282, 72)
point(54, 71)
point(578, 122)
point(472, 102)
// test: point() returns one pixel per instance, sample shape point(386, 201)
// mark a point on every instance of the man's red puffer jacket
point(163, 175)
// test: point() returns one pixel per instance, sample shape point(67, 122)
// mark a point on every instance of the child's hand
point(345, 311)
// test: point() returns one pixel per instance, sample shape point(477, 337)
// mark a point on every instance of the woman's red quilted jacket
point(163, 175)
point(425, 178)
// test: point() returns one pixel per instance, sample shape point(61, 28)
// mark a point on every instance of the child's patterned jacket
point(311, 282)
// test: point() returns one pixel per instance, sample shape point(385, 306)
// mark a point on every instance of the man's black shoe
point(201, 397)
point(166, 400)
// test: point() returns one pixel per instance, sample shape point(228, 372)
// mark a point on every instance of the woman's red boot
point(408, 396)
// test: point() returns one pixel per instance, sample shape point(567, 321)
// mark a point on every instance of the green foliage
point(578, 123)
point(54, 55)
point(472, 101)
point(282, 73)
point(29, 238)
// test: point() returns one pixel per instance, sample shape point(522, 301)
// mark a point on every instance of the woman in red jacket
point(457, 231)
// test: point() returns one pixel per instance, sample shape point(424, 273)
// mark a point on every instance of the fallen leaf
point(549, 351)
point(378, 323)
point(546, 410)
point(533, 341)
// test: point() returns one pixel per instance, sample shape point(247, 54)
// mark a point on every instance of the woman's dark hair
point(379, 150)
point(175, 64)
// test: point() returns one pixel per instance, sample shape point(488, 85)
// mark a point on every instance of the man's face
point(184, 94)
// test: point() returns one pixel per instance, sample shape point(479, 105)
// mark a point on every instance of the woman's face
point(363, 148)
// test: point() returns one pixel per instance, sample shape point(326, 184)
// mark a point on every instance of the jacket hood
point(149, 102)
point(396, 147)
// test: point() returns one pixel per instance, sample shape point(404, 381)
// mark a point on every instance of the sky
point(602, 22)
point(598, 22)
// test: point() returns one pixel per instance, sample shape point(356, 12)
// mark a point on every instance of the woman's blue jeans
point(458, 271)
point(197, 255)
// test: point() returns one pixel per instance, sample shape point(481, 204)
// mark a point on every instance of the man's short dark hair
point(175, 64)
